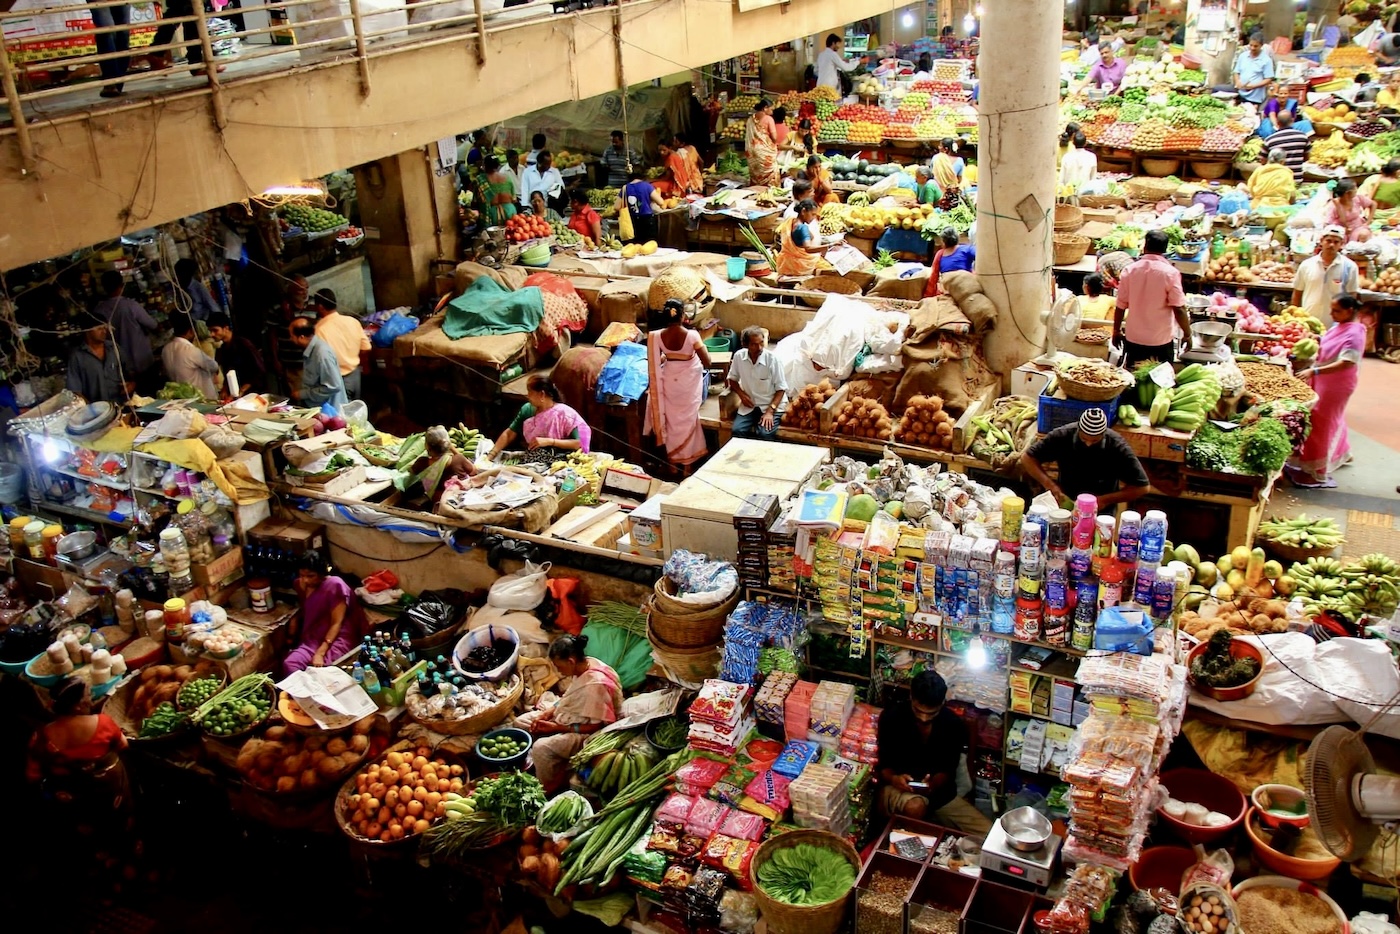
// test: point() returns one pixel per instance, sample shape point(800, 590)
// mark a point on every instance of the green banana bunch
point(464, 439)
point(1302, 532)
point(1129, 417)
point(615, 770)
point(1378, 563)
point(1306, 349)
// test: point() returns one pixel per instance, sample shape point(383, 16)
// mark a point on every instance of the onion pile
point(925, 422)
point(802, 414)
point(864, 418)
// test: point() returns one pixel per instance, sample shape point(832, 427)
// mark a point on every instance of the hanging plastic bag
point(523, 590)
point(624, 223)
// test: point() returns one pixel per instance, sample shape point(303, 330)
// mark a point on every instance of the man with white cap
point(1089, 459)
point(1325, 275)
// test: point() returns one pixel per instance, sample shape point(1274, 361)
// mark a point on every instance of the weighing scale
point(1210, 342)
point(1022, 869)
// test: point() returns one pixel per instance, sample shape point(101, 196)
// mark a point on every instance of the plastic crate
point(1055, 411)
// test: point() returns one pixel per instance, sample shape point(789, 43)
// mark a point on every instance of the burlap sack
point(960, 285)
point(624, 300)
point(879, 387)
point(510, 277)
point(944, 379)
point(980, 311)
point(889, 285)
point(933, 315)
point(534, 516)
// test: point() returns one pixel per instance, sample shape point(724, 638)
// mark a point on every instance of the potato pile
point(1387, 281)
point(926, 423)
point(802, 413)
point(284, 760)
point(160, 683)
point(1227, 269)
point(1244, 617)
point(1274, 272)
point(402, 795)
point(864, 418)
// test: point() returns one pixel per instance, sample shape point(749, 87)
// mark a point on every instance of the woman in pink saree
point(545, 422)
point(592, 700)
point(1334, 376)
point(676, 362)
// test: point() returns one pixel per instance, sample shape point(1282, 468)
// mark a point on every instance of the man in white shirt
point(536, 144)
point(513, 168)
point(1325, 275)
point(542, 176)
point(831, 62)
point(756, 376)
point(186, 363)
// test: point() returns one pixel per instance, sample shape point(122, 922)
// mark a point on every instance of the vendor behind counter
point(1091, 459)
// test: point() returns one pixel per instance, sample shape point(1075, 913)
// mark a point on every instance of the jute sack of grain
point(944, 379)
point(960, 285)
point(980, 311)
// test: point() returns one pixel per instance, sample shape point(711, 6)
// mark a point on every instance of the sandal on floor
point(112, 90)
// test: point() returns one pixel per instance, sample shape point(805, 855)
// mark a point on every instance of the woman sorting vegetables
point(75, 760)
point(332, 620)
point(591, 701)
point(545, 422)
point(1334, 376)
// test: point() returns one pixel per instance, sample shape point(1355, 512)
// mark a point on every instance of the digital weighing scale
point(1022, 869)
point(1210, 342)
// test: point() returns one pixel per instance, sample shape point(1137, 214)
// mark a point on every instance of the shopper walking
point(618, 160)
point(111, 42)
point(761, 143)
point(677, 361)
point(346, 338)
point(1253, 71)
point(1334, 376)
point(641, 200)
point(1151, 298)
point(132, 327)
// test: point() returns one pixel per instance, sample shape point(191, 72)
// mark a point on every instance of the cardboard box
point(219, 573)
point(1169, 445)
point(266, 531)
point(300, 537)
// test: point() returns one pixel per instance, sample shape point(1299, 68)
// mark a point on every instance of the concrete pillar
point(1219, 64)
point(413, 211)
point(1019, 65)
point(1278, 19)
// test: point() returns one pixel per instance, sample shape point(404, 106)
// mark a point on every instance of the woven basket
point(691, 666)
point(342, 800)
point(1160, 168)
point(1083, 392)
point(238, 738)
point(116, 707)
point(478, 723)
point(375, 457)
point(783, 918)
point(830, 284)
point(1294, 552)
point(681, 625)
point(1149, 189)
point(1094, 202)
point(1209, 170)
point(1070, 248)
point(1068, 217)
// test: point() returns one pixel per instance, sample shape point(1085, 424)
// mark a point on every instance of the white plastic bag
point(523, 590)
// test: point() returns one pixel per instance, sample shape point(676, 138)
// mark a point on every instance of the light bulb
point(969, 23)
point(50, 451)
point(977, 653)
point(907, 20)
point(979, 11)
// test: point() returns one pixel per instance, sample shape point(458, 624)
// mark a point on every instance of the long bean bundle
point(615, 613)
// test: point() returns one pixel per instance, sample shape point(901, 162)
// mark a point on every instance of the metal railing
point(329, 29)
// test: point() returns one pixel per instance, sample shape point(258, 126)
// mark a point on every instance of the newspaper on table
point(329, 696)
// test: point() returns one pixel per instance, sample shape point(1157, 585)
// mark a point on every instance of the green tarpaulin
point(487, 307)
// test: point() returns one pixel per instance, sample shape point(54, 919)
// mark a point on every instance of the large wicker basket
point(1094, 202)
point(783, 918)
point(1150, 190)
point(691, 665)
point(1086, 392)
point(1209, 170)
point(1294, 552)
point(1160, 168)
point(342, 801)
point(681, 625)
point(478, 723)
point(1070, 248)
point(829, 283)
point(1068, 217)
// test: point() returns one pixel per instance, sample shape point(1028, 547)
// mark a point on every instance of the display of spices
point(880, 905)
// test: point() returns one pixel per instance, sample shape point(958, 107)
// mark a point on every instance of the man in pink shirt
point(1149, 291)
point(1109, 71)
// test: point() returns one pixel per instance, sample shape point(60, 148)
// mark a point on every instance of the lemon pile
point(910, 218)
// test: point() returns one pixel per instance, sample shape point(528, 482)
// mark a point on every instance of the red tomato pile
point(863, 113)
point(524, 227)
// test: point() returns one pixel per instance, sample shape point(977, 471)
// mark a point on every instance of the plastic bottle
point(370, 679)
point(1086, 613)
point(1143, 585)
point(358, 673)
point(1104, 544)
point(1029, 616)
point(406, 648)
point(1013, 510)
point(1110, 585)
point(1003, 592)
point(1086, 507)
point(1056, 584)
point(1153, 538)
point(1129, 537)
point(1040, 515)
point(1058, 533)
point(1163, 594)
point(1032, 542)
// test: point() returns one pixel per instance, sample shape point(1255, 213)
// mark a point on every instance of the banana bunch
point(1306, 349)
point(465, 440)
point(1369, 585)
point(998, 433)
point(615, 770)
point(832, 219)
point(1129, 417)
point(1383, 565)
point(1302, 532)
point(1185, 406)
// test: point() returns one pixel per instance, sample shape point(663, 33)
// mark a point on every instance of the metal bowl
point(1026, 829)
point(1209, 334)
point(77, 545)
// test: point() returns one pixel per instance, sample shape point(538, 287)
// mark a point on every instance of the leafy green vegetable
point(1212, 449)
point(1264, 447)
point(514, 797)
point(732, 163)
point(805, 874)
point(884, 259)
point(174, 390)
